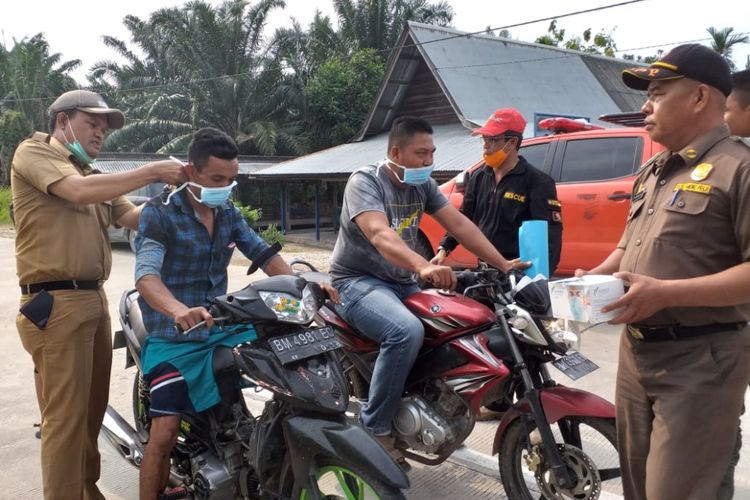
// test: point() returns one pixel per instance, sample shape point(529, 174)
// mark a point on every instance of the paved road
point(19, 451)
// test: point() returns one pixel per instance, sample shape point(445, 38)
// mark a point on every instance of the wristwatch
point(447, 252)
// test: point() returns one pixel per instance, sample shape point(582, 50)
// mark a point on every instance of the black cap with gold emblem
point(692, 60)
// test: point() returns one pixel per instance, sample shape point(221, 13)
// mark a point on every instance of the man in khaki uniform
point(685, 352)
point(63, 256)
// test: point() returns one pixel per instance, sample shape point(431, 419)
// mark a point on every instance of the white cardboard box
point(581, 299)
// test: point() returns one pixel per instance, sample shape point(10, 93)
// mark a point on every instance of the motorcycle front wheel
point(338, 479)
point(588, 446)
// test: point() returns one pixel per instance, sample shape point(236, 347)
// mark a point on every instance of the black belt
point(681, 332)
point(61, 285)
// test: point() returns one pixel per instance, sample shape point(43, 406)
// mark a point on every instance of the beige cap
point(88, 102)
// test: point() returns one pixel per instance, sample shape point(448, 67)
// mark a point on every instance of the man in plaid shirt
point(185, 241)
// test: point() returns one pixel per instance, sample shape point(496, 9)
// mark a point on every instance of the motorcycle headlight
point(291, 309)
point(570, 340)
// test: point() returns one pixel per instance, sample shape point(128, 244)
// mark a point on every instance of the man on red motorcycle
point(374, 260)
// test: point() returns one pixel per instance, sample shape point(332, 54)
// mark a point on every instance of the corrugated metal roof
point(125, 162)
point(481, 73)
point(456, 150)
point(608, 71)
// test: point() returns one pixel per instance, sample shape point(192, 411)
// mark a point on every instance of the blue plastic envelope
point(533, 246)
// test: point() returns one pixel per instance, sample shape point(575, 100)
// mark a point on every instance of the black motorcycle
point(302, 445)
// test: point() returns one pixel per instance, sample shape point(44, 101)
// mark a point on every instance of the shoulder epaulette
point(648, 163)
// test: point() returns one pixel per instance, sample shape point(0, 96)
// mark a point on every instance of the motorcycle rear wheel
point(596, 437)
point(141, 405)
point(337, 479)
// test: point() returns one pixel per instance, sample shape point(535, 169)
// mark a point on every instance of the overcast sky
point(75, 27)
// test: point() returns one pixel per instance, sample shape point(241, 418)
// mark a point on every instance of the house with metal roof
point(455, 80)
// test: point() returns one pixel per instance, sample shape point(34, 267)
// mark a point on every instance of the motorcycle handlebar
point(198, 325)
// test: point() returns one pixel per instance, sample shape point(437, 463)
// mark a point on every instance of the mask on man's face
point(414, 176)
point(212, 197)
point(496, 159)
point(75, 147)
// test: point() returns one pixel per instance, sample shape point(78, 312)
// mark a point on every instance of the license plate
point(575, 365)
point(305, 344)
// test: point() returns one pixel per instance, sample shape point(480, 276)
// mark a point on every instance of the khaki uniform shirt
point(55, 238)
point(690, 217)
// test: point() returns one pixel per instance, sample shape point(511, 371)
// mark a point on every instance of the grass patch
point(5, 200)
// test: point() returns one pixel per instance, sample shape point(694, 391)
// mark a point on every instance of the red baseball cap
point(502, 121)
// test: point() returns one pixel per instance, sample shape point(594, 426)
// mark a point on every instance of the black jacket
point(498, 209)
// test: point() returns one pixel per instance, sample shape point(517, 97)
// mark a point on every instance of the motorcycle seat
point(135, 317)
point(316, 277)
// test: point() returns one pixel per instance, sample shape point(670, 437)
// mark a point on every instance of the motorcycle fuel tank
point(446, 313)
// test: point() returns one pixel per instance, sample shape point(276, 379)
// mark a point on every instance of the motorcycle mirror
point(264, 257)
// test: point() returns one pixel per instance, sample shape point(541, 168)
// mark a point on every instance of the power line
point(462, 35)
point(451, 37)
point(524, 23)
point(575, 53)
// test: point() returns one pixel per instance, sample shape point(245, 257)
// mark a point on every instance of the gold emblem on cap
point(701, 171)
point(691, 153)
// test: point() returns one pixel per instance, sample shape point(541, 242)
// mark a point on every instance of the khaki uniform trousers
point(678, 403)
point(73, 356)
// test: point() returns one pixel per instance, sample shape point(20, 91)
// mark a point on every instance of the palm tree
point(377, 24)
point(300, 53)
point(723, 41)
point(31, 78)
point(203, 66)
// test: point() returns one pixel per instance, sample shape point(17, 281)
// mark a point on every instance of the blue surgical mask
point(76, 149)
point(212, 197)
point(414, 176)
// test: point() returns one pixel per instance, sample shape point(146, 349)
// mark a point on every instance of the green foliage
point(592, 43)
point(341, 93)
point(272, 234)
point(644, 59)
point(5, 200)
point(251, 215)
point(13, 129)
point(377, 24)
point(723, 41)
point(202, 65)
point(31, 77)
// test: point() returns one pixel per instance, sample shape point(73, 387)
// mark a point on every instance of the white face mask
point(212, 197)
point(413, 176)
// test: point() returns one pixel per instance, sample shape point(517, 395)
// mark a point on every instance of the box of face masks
point(581, 299)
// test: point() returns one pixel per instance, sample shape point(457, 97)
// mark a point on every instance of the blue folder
point(533, 246)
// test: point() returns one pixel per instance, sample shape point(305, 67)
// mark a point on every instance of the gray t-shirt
point(369, 189)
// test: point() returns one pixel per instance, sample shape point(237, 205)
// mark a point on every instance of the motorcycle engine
point(432, 421)
point(214, 474)
point(211, 479)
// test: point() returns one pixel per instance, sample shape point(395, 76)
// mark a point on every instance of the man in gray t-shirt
point(374, 260)
point(370, 189)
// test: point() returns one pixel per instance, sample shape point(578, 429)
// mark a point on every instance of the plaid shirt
point(175, 246)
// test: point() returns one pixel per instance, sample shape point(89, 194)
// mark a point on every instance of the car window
point(599, 159)
point(535, 154)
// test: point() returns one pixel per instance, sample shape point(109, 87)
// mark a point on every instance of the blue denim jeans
point(375, 308)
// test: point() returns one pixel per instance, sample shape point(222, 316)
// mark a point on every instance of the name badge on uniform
point(701, 171)
point(693, 187)
point(515, 197)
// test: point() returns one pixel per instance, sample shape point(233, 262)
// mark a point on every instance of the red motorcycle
point(490, 345)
